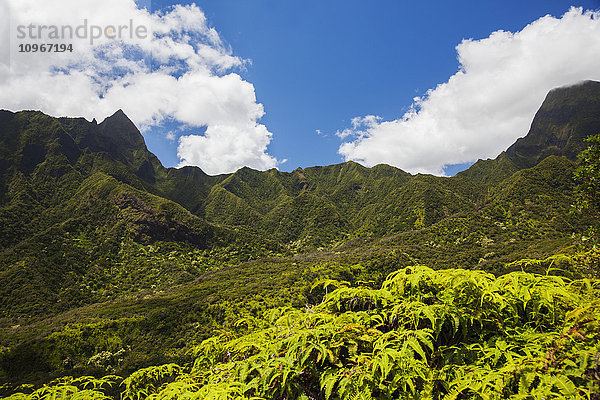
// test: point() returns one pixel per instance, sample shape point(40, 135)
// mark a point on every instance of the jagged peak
point(118, 116)
point(121, 128)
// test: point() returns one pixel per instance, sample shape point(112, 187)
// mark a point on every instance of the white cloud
point(234, 150)
point(360, 127)
point(171, 136)
point(489, 102)
point(181, 71)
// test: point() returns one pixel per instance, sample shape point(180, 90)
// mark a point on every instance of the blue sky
point(428, 87)
point(315, 64)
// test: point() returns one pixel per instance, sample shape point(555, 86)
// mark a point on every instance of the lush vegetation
point(423, 334)
point(120, 278)
point(587, 196)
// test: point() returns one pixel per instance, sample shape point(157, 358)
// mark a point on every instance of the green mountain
point(567, 116)
point(110, 262)
point(77, 203)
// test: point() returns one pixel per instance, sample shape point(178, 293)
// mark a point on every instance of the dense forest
point(123, 279)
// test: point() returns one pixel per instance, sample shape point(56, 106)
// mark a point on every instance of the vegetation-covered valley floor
point(423, 334)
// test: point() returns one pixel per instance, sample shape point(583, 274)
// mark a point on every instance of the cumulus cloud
point(360, 127)
point(179, 71)
point(248, 150)
point(488, 103)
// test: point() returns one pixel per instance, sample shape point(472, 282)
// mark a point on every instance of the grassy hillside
point(72, 223)
point(423, 334)
point(111, 263)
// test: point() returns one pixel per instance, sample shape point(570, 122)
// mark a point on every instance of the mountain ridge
point(274, 201)
point(129, 136)
point(567, 116)
point(91, 220)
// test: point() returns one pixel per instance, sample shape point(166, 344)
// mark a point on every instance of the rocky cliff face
point(567, 116)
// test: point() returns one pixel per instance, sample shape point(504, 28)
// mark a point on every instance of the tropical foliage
point(587, 194)
point(120, 278)
point(423, 334)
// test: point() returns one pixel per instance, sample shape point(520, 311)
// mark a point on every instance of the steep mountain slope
point(75, 207)
point(567, 116)
point(102, 249)
point(351, 200)
point(347, 199)
point(320, 205)
point(74, 193)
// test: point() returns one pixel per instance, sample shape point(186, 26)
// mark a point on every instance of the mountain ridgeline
point(99, 240)
point(82, 190)
point(298, 207)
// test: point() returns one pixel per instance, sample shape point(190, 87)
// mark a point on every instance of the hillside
point(566, 117)
point(111, 262)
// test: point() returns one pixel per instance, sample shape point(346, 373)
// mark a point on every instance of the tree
point(587, 192)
